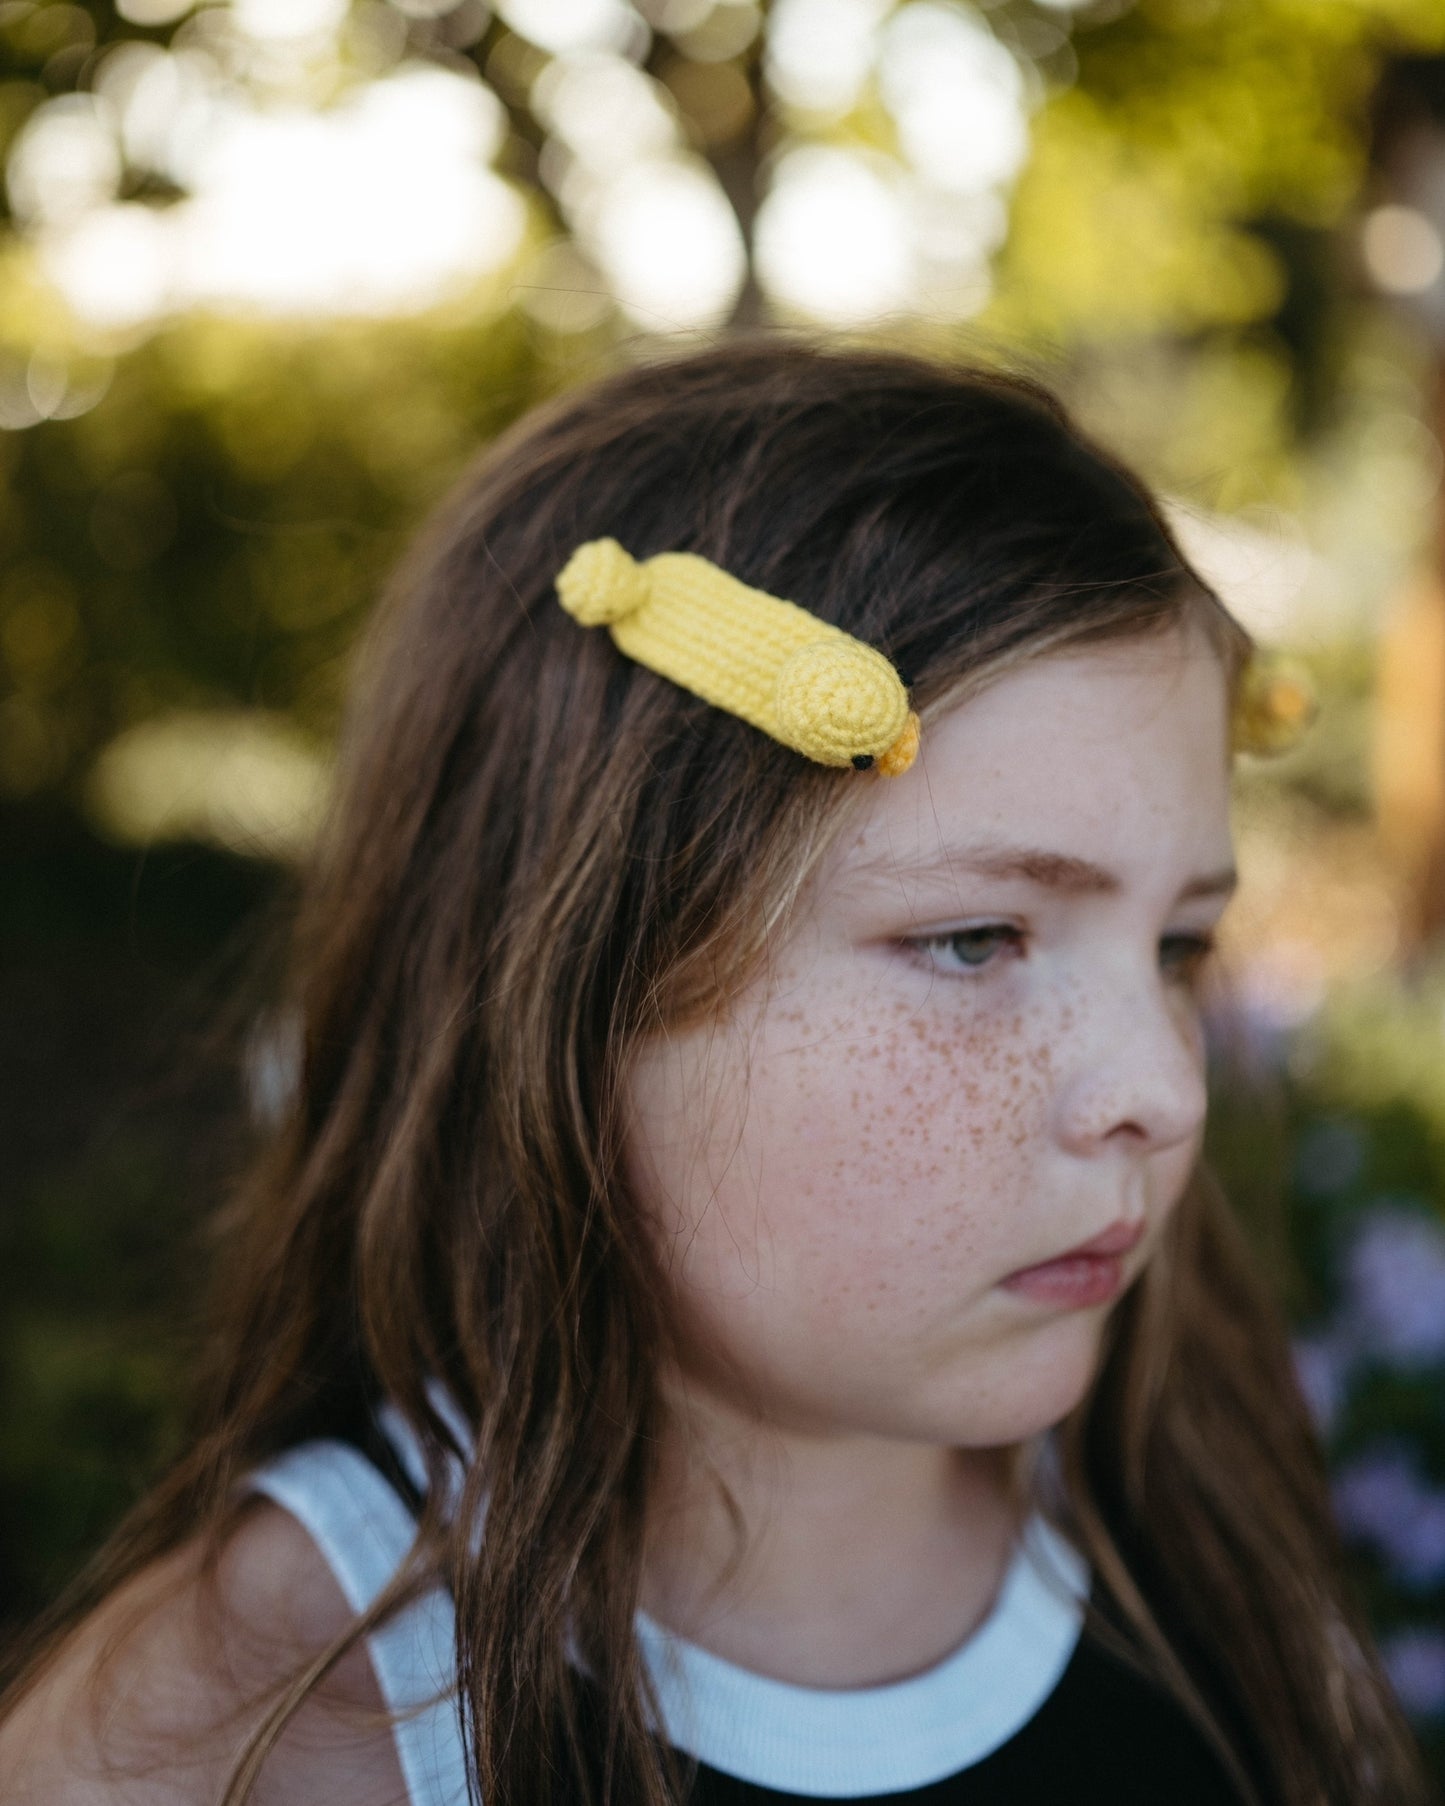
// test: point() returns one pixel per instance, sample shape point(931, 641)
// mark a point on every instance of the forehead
point(1114, 757)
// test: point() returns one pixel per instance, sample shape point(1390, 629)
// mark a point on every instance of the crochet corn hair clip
point(810, 685)
point(802, 681)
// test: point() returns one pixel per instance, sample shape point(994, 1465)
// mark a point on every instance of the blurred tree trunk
point(738, 169)
point(1409, 773)
point(1407, 158)
point(735, 139)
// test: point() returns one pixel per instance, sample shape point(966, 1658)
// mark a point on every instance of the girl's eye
point(965, 950)
point(1195, 951)
point(972, 950)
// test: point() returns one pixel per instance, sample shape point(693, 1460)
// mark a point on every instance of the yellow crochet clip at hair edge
point(1275, 704)
point(799, 679)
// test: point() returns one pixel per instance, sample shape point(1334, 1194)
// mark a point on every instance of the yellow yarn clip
point(1275, 704)
point(799, 679)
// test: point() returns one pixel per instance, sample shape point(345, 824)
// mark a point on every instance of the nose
point(1132, 1069)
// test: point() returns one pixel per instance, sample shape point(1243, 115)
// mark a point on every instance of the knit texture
point(809, 684)
point(804, 682)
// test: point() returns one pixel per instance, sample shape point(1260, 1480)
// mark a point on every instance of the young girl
point(648, 1367)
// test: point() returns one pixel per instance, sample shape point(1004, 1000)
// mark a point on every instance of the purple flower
point(1395, 1285)
point(1415, 1662)
point(1381, 1498)
point(1322, 1363)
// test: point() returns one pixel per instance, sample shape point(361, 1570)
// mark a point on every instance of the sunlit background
point(272, 270)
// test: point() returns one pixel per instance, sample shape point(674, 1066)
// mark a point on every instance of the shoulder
point(153, 1695)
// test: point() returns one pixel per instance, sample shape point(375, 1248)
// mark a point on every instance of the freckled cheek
point(912, 1133)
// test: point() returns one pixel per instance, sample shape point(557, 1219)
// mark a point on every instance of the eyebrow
point(1037, 865)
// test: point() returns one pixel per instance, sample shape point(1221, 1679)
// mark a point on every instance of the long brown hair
point(538, 852)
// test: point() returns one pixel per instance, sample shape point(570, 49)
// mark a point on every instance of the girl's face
point(980, 1046)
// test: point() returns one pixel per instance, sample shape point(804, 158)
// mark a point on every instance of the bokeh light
point(569, 25)
point(832, 236)
point(288, 19)
point(244, 780)
point(153, 12)
point(648, 213)
point(1402, 249)
point(668, 243)
point(819, 52)
point(957, 96)
point(64, 161)
point(378, 205)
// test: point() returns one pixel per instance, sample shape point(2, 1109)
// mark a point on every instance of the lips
point(1090, 1274)
point(1118, 1238)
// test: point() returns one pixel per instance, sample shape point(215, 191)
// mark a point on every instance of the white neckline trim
point(830, 1743)
point(836, 1744)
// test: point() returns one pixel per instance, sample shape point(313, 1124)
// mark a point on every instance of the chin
point(1032, 1392)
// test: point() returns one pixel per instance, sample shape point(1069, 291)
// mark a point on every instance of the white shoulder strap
point(364, 1531)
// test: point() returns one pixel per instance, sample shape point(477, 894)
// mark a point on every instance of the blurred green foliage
point(214, 530)
point(125, 983)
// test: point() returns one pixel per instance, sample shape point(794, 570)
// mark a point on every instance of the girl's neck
point(827, 1562)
